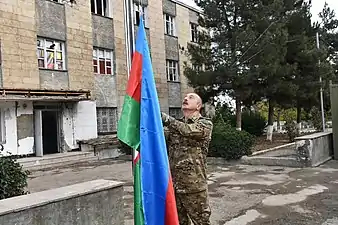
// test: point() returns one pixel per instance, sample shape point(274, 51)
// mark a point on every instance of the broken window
point(106, 120)
point(172, 70)
point(100, 7)
point(51, 54)
point(102, 61)
point(138, 10)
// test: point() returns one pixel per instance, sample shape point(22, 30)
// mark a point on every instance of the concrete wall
point(103, 32)
point(18, 43)
point(171, 48)
point(53, 79)
point(175, 97)
point(80, 45)
point(85, 120)
point(105, 85)
point(156, 25)
point(25, 128)
point(10, 144)
point(51, 19)
point(98, 202)
point(169, 7)
point(315, 149)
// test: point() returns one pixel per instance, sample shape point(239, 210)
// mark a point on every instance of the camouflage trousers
point(194, 207)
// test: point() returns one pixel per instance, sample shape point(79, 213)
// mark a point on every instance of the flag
point(141, 128)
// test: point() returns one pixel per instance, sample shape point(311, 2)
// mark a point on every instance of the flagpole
point(129, 32)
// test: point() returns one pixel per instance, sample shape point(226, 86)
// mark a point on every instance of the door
point(50, 132)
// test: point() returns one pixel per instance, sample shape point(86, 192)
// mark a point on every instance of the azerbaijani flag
point(140, 127)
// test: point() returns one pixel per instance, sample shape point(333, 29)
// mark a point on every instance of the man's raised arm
point(200, 129)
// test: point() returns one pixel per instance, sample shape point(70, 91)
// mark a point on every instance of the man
point(188, 142)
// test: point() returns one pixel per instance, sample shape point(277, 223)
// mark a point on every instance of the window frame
point(144, 8)
point(109, 130)
point(97, 59)
point(172, 25)
point(45, 50)
point(193, 32)
point(104, 13)
point(172, 65)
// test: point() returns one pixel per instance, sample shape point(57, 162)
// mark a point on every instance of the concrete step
point(55, 160)
point(284, 155)
point(272, 161)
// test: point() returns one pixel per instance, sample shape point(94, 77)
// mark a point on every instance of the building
point(63, 67)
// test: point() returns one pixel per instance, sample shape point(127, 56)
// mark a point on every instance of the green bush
point(13, 178)
point(252, 122)
point(228, 143)
point(291, 128)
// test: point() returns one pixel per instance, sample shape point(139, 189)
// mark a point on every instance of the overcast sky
point(317, 6)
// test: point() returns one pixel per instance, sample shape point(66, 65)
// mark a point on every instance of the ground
point(239, 194)
point(261, 143)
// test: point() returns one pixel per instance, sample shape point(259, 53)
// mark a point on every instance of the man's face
point(191, 102)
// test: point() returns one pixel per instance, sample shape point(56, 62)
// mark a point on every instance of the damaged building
point(64, 67)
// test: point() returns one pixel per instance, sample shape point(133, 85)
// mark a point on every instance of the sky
point(317, 6)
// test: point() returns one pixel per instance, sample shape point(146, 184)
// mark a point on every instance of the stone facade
point(80, 45)
point(18, 44)
point(24, 22)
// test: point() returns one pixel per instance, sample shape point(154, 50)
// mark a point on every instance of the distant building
point(63, 67)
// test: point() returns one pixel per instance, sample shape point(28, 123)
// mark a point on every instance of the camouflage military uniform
point(188, 143)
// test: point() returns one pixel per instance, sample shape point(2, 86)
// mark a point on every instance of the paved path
point(239, 194)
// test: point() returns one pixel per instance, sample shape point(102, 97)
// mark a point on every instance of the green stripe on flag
point(128, 129)
point(138, 209)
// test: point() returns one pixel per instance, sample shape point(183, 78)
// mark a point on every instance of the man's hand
point(165, 118)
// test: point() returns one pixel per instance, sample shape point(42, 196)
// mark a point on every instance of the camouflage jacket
point(188, 143)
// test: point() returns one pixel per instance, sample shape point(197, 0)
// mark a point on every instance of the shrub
point(13, 178)
point(228, 143)
point(316, 118)
point(252, 122)
point(291, 128)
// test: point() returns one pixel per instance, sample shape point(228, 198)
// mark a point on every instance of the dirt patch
point(277, 140)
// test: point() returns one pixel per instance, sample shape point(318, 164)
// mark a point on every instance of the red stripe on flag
point(137, 159)
point(134, 83)
point(171, 216)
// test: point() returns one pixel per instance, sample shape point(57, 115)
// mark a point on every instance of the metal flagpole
point(129, 31)
point(130, 43)
point(321, 88)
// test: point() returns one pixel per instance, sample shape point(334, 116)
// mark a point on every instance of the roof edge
point(196, 9)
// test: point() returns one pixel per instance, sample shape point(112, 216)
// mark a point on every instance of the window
point(175, 112)
point(169, 25)
point(138, 9)
point(102, 61)
point(51, 54)
point(172, 70)
point(193, 32)
point(106, 120)
point(100, 7)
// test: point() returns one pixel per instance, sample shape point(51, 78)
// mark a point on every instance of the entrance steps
point(285, 155)
point(55, 160)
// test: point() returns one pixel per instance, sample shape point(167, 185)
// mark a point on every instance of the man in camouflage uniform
point(188, 142)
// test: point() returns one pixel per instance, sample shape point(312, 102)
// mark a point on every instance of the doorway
point(50, 132)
